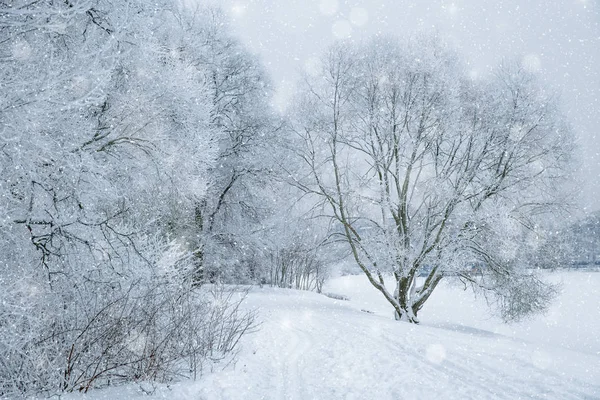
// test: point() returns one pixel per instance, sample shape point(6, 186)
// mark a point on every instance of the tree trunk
point(409, 314)
point(198, 275)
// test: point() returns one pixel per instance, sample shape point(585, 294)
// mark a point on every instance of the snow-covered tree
point(428, 172)
point(235, 93)
point(106, 143)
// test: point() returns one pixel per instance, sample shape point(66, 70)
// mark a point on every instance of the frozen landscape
point(309, 346)
point(284, 199)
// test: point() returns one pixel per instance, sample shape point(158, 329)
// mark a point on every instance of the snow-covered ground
point(573, 322)
point(313, 347)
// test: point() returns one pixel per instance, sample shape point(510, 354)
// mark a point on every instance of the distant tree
point(583, 241)
point(297, 251)
point(426, 171)
point(574, 245)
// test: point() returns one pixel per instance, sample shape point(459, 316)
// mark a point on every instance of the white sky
point(558, 38)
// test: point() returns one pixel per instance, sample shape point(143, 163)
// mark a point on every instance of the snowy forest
point(149, 188)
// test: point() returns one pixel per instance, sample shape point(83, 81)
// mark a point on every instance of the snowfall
point(310, 346)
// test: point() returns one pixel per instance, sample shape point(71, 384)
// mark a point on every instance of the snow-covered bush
point(119, 328)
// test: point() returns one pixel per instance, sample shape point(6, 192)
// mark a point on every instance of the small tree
point(426, 171)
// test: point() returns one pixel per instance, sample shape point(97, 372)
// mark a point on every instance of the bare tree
point(426, 171)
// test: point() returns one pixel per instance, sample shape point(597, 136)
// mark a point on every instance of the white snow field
point(310, 346)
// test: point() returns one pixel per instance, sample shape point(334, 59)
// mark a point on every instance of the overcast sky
point(558, 38)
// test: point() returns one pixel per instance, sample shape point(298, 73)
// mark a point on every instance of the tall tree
point(427, 172)
point(245, 125)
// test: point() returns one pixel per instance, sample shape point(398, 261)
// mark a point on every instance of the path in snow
point(313, 347)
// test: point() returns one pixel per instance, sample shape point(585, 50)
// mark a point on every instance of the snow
point(310, 346)
point(573, 322)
